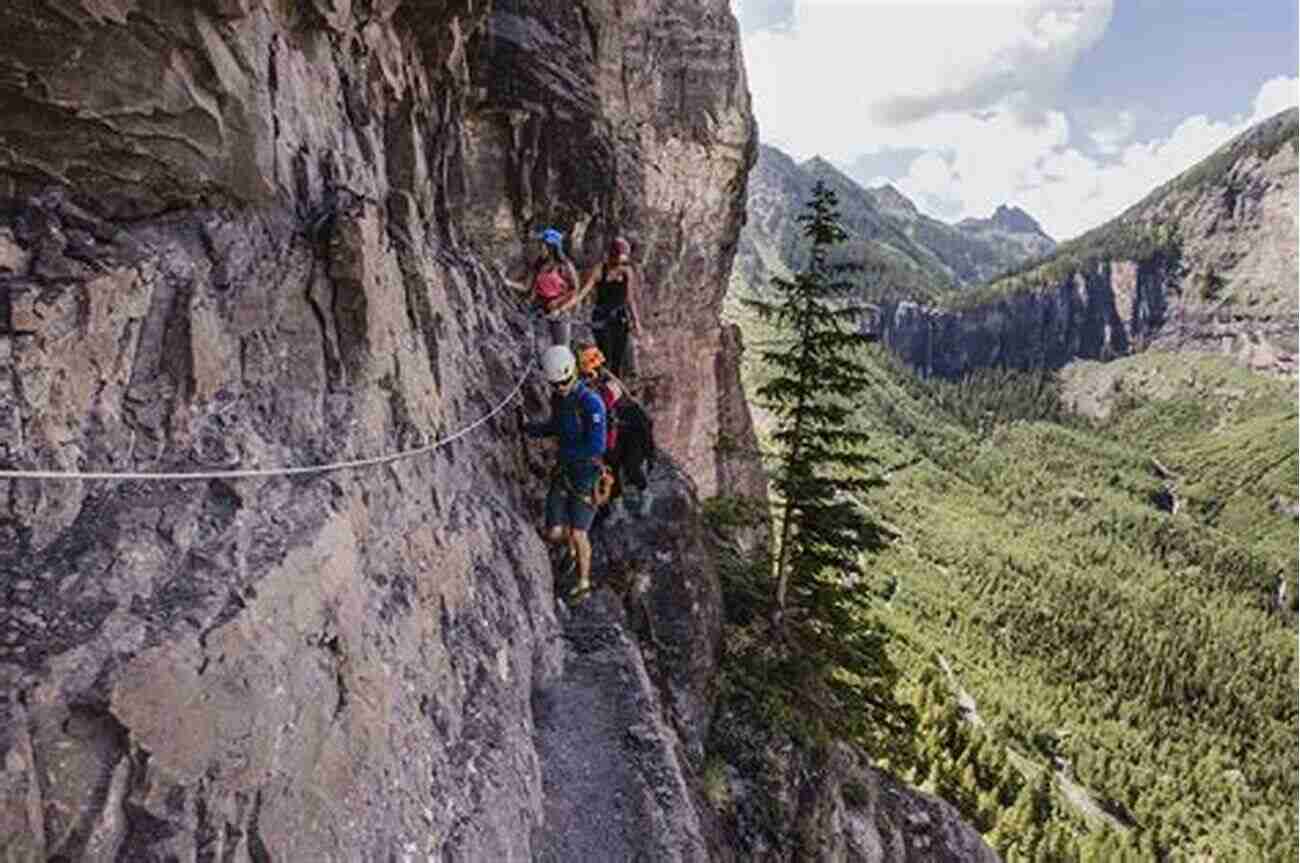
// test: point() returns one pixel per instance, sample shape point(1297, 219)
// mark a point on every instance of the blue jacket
point(579, 422)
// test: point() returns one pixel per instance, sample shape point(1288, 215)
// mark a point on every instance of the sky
point(1070, 109)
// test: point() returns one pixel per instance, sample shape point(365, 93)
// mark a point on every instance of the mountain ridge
point(906, 252)
point(1206, 262)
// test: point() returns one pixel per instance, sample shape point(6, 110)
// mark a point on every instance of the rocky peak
point(1008, 220)
point(848, 190)
point(894, 202)
point(919, 256)
point(819, 165)
point(1015, 220)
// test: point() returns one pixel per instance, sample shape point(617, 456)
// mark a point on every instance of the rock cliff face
point(239, 234)
point(1206, 263)
point(1103, 313)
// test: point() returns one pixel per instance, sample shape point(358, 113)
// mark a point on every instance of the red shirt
point(550, 286)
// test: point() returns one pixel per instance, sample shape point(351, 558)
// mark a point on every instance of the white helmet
point(558, 364)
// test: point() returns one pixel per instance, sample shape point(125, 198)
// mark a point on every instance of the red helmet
point(619, 248)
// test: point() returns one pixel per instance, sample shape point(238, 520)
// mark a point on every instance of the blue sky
point(1072, 109)
point(1153, 51)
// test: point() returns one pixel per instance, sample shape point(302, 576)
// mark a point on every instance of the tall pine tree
point(821, 468)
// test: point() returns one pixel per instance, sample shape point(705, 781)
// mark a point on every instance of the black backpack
point(633, 421)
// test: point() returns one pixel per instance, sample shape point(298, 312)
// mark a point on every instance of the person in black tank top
point(615, 314)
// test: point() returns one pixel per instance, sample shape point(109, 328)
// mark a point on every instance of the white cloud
point(1277, 94)
point(1067, 191)
point(977, 87)
point(1110, 134)
point(1017, 54)
point(854, 77)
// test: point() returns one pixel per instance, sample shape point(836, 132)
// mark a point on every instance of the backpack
point(632, 420)
point(612, 396)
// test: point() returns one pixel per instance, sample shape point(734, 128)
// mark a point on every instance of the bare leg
point(557, 535)
point(581, 546)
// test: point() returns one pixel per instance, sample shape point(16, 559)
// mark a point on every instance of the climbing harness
point(282, 471)
point(560, 474)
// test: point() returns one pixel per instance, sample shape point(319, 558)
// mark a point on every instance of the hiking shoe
point(565, 563)
point(580, 591)
point(647, 503)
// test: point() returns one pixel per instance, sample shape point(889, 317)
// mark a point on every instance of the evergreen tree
point(819, 377)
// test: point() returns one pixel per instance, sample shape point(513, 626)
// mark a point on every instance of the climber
point(578, 420)
point(597, 376)
point(552, 282)
point(615, 313)
point(629, 443)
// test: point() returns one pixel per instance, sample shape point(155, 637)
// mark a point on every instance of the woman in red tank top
point(552, 282)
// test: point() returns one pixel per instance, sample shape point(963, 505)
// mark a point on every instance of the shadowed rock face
point(247, 234)
point(836, 806)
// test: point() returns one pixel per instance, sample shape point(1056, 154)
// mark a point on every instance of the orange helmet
point(589, 359)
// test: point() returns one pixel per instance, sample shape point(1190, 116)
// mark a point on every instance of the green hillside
point(1094, 580)
point(1139, 652)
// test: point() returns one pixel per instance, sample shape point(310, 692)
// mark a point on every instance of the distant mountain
point(1012, 234)
point(771, 243)
point(894, 203)
point(1206, 263)
point(1012, 220)
point(907, 253)
point(973, 250)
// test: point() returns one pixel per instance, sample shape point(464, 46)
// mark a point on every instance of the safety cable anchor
point(7, 328)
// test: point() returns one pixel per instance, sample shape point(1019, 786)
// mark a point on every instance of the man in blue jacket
point(578, 420)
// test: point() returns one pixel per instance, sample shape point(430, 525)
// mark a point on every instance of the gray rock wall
point(830, 804)
point(246, 235)
point(1118, 308)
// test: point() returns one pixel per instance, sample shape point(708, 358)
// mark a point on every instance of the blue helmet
point(552, 237)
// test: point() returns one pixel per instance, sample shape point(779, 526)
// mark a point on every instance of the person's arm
point(587, 285)
point(633, 284)
point(574, 282)
point(522, 287)
point(549, 427)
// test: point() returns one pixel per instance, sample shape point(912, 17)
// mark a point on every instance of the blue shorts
point(566, 508)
